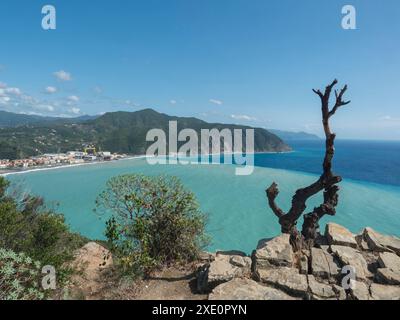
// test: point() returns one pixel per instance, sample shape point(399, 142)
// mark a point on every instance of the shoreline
point(7, 172)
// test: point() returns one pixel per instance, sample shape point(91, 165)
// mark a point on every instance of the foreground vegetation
point(155, 221)
point(31, 236)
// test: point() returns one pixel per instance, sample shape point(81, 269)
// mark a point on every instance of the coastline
point(7, 172)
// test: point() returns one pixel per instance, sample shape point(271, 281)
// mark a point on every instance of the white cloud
point(73, 98)
point(13, 91)
point(215, 101)
point(389, 118)
point(243, 117)
point(75, 110)
point(3, 85)
point(63, 75)
point(44, 107)
point(50, 90)
point(4, 100)
point(172, 101)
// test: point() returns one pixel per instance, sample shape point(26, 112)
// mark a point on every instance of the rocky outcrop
point(277, 272)
point(275, 252)
point(224, 267)
point(247, 289)
point(381, 243)
point(338, 235)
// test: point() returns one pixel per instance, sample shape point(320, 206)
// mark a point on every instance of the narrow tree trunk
point(327, 182)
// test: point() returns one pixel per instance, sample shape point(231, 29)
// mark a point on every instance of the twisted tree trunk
point(327, 182)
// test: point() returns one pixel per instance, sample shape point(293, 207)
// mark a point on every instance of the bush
point(28, 226)
point(19, 277)
point(155, 221)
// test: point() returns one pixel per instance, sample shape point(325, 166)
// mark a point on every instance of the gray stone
point(359, 291)
point(388, 276)
point(362, 244)
point(384, 292)
point(352, 257)
point(246, 289)
point(284, 278)
point(320, 290)
point(338, 235)
point(303, 264)
point(322, 264)
point(381, 243)
point(222, 270)
point(274, 252)
point(242, 262)
point(389, 260)
point(340, 292)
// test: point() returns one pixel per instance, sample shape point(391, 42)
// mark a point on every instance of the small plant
point(155, 221)
point(19, 277)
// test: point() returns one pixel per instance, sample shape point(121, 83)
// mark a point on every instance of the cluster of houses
point(52, 159)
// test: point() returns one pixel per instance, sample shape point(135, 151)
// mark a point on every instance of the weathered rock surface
point(322, 264)
point(276, 252)
point(360, 291)
point(284, 278)
point(389, 260)
point(320, 290)
point(388, 276)
point(224, 268)
point(246, 289)
point(352, 257)
point(381, 243)
point(339, 235)
point(383, 292)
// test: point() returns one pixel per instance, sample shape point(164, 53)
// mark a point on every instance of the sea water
point(236, 205)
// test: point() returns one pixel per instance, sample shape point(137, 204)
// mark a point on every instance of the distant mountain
point(9, 119)
point(288, 136)
point(123, 132)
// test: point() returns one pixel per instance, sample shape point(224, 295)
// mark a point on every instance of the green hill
point(122, 132)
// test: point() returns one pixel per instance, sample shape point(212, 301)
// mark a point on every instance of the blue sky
point(235, 61)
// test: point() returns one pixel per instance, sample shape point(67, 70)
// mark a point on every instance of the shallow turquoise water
point(237, 208)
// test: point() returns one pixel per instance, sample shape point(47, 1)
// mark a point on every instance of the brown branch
point(327, 181)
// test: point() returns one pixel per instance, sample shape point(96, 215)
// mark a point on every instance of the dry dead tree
point(327, 181)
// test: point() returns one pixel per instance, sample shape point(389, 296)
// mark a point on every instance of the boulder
point(352, 257)
point(381, 243)
point(303, 261)
point(339, 235)
point(384, 292)
point(322, 264)
point(224, 268)
point(388, 276)
point(246, 289)
point(389, 260)
point(275, 252)
point(359, 291)
point(340, 292)
point(284, 278)
point(320, 290)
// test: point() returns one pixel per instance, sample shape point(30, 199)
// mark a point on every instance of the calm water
point(238, 213)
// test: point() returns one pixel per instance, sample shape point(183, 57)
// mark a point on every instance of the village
point(89, 154)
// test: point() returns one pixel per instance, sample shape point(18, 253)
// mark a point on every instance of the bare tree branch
point(327, 181)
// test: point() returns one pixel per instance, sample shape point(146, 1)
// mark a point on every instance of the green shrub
point(28, 226)
point(155, 221)
point(19, 277)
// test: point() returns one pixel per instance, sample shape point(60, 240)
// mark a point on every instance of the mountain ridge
point(121, 131)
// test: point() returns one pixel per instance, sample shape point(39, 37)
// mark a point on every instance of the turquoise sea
point(238, 212)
